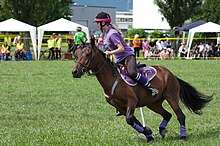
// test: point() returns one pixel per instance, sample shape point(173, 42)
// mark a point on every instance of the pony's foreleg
point(131, 120)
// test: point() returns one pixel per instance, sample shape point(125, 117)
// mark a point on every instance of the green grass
point(41, 104)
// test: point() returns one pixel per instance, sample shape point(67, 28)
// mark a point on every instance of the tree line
point(35, 12)
point(39, 12)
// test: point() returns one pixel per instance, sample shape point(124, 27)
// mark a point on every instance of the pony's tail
point(193, 99)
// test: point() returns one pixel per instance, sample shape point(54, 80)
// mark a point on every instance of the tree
point(177, 12)
point(130, 33)
point(35, 12)
point(209, 11)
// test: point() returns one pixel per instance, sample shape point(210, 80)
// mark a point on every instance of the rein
point(85, 66)
point(95, 72)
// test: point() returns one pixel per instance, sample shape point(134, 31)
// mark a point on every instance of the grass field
point(41, 104)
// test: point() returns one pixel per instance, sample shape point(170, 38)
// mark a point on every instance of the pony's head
point(84, 59)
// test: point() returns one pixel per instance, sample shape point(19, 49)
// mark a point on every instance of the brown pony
point(126, 98)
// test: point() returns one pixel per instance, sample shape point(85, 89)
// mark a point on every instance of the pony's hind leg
point(174, 103)
point(131, 120)
point(158, 108)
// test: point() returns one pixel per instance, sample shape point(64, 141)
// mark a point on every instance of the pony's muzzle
point(76, 73)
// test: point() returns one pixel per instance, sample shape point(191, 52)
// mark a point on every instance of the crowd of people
point(6, 52)
point(154, 49)
point(54, 44)
point(163, 50)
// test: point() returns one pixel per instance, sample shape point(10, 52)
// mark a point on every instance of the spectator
point(195, 54)
point(159, 45)
point(218, 39)
point(145, 48)
point(5, 50)
point(164, 54)
point(169, 47)
point(203, 47)
point(58, 47)
point(80, 38)
point(136, 43)
point(101, 42)
point(218, 51)
point(8, 40)
point(16, 39)
point(50, 45)
point(54, 42)
point(211, 50)
point(182, 50)
point(19, 54)
point(152, 46)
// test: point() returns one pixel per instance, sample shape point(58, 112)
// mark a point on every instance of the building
point(84, 12)
point(125, 14)
point(85, 15)
point(124, 20)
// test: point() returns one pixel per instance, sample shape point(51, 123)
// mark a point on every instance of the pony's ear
point(92, 42)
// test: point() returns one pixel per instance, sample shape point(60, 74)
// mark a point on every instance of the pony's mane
point(104, 56)
point(93, 46)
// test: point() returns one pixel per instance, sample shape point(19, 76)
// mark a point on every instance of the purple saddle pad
point(148, 72)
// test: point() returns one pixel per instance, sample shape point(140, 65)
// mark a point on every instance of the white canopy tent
point(58, 25)
point(12, 25)
point(207, 27)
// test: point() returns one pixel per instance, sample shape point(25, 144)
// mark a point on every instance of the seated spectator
point(5, 50)
point(19, 54)
point(195, 53)
point(203, 47)
point(211, 49)
point(156, 54)
point(182, 50)
point(164, 54)
point(169, 47)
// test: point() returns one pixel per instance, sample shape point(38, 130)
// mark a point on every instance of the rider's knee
point(132, 74)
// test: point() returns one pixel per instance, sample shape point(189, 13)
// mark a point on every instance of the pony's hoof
point(183, 138)
point(150, 139)
point(163, 133)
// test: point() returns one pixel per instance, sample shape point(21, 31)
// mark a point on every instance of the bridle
point(86, 66)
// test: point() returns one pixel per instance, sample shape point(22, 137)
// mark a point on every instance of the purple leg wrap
point(138, 128)
point(182, 131)
point(142, 79)
point(163, 124)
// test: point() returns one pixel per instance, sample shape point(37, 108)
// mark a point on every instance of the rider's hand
point(107, 53)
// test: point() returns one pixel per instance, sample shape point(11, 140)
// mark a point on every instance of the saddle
point(148, 71)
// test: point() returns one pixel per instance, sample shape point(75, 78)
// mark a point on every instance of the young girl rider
point(121, 51)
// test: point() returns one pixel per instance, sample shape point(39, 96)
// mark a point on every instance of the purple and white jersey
point(112, 38)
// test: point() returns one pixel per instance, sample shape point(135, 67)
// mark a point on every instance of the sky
point(121, 5)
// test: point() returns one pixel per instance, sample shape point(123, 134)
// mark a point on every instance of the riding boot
point(143, 81)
